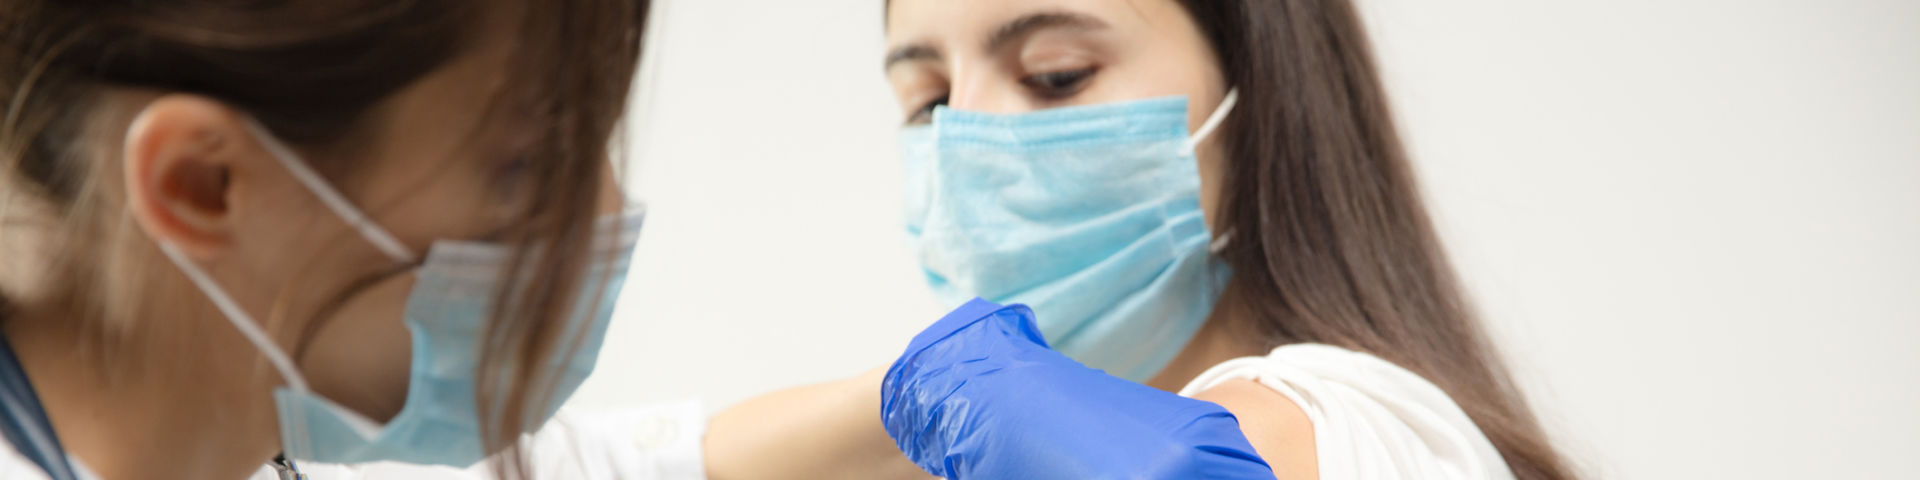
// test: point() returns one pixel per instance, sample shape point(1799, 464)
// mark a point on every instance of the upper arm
point(1278, 429)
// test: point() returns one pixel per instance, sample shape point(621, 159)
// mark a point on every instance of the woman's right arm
point(980, 395)
point(829, 430)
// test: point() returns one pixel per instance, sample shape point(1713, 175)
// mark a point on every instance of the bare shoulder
point(1279, 430)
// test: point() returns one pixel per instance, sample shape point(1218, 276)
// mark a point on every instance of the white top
point(1372, 420)
point(651, 443)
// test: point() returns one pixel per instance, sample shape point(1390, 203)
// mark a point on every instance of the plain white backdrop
point(1694, 225)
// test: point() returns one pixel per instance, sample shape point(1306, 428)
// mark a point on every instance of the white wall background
point(1693, 224)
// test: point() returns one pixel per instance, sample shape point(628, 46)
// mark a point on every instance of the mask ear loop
point(1213, 123)
point(238, 317)
point(332, 198)
point(354, 218)
point(1221, 242)
point(243, 322)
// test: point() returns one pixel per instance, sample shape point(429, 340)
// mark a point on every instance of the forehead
point(475, 80)
point(943, 22)
point(433, 137)
point(470, 98)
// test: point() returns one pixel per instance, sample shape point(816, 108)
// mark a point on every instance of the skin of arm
point(827, 430)
point(832, 430)
point(1278, 429)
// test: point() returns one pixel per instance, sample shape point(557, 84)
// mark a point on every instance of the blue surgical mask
point(446, 312)
point(1089, 215)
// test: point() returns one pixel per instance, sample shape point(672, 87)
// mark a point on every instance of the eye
point(924, 115)
point(1058, 85)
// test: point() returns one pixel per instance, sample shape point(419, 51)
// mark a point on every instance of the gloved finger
point(960, 319)
point(1017, 321)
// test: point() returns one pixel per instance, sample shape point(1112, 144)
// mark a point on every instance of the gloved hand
point(980, 395)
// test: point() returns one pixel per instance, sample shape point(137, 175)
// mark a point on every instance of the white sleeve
point(652, 443)
point(14, 466)
point(1372, 420)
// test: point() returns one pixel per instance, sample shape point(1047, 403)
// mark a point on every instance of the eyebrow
point(911, 53)
point(1027, 25)
point(1006, 34)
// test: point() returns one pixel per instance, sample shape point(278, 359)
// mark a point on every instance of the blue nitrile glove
point(980, 395)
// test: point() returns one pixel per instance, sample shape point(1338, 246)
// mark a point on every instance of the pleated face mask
point(446, 313)
point(1089, 215)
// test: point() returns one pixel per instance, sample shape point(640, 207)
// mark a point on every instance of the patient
point(1277, 260)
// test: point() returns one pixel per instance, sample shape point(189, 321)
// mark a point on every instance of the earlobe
point(179, 159)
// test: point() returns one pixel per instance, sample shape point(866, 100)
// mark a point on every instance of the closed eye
point(924, 114)
point(1058, 85)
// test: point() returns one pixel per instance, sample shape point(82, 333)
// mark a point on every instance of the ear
point(181, 158)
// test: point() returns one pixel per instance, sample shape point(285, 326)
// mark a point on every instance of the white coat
point(651, 443)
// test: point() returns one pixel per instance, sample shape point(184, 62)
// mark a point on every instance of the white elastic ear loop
point(1221, 242)
point(237, 316)
point(1213, 122)
point(332, 198)
point(1219, 116)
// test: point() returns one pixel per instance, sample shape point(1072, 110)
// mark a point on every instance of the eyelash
point(1050, 85)
point(1058, 85)
point(924, 114)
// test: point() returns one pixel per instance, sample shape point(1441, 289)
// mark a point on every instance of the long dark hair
point(310, 70)
point(1332, 243)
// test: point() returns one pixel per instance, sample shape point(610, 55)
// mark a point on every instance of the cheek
point(1214, 160)
point(361, 356)
point(451, 200)
point(1213, 167)
point(612, 198)
point(1205, 90)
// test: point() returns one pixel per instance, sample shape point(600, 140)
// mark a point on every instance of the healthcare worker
point(243, 236)
point(1207, 196)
